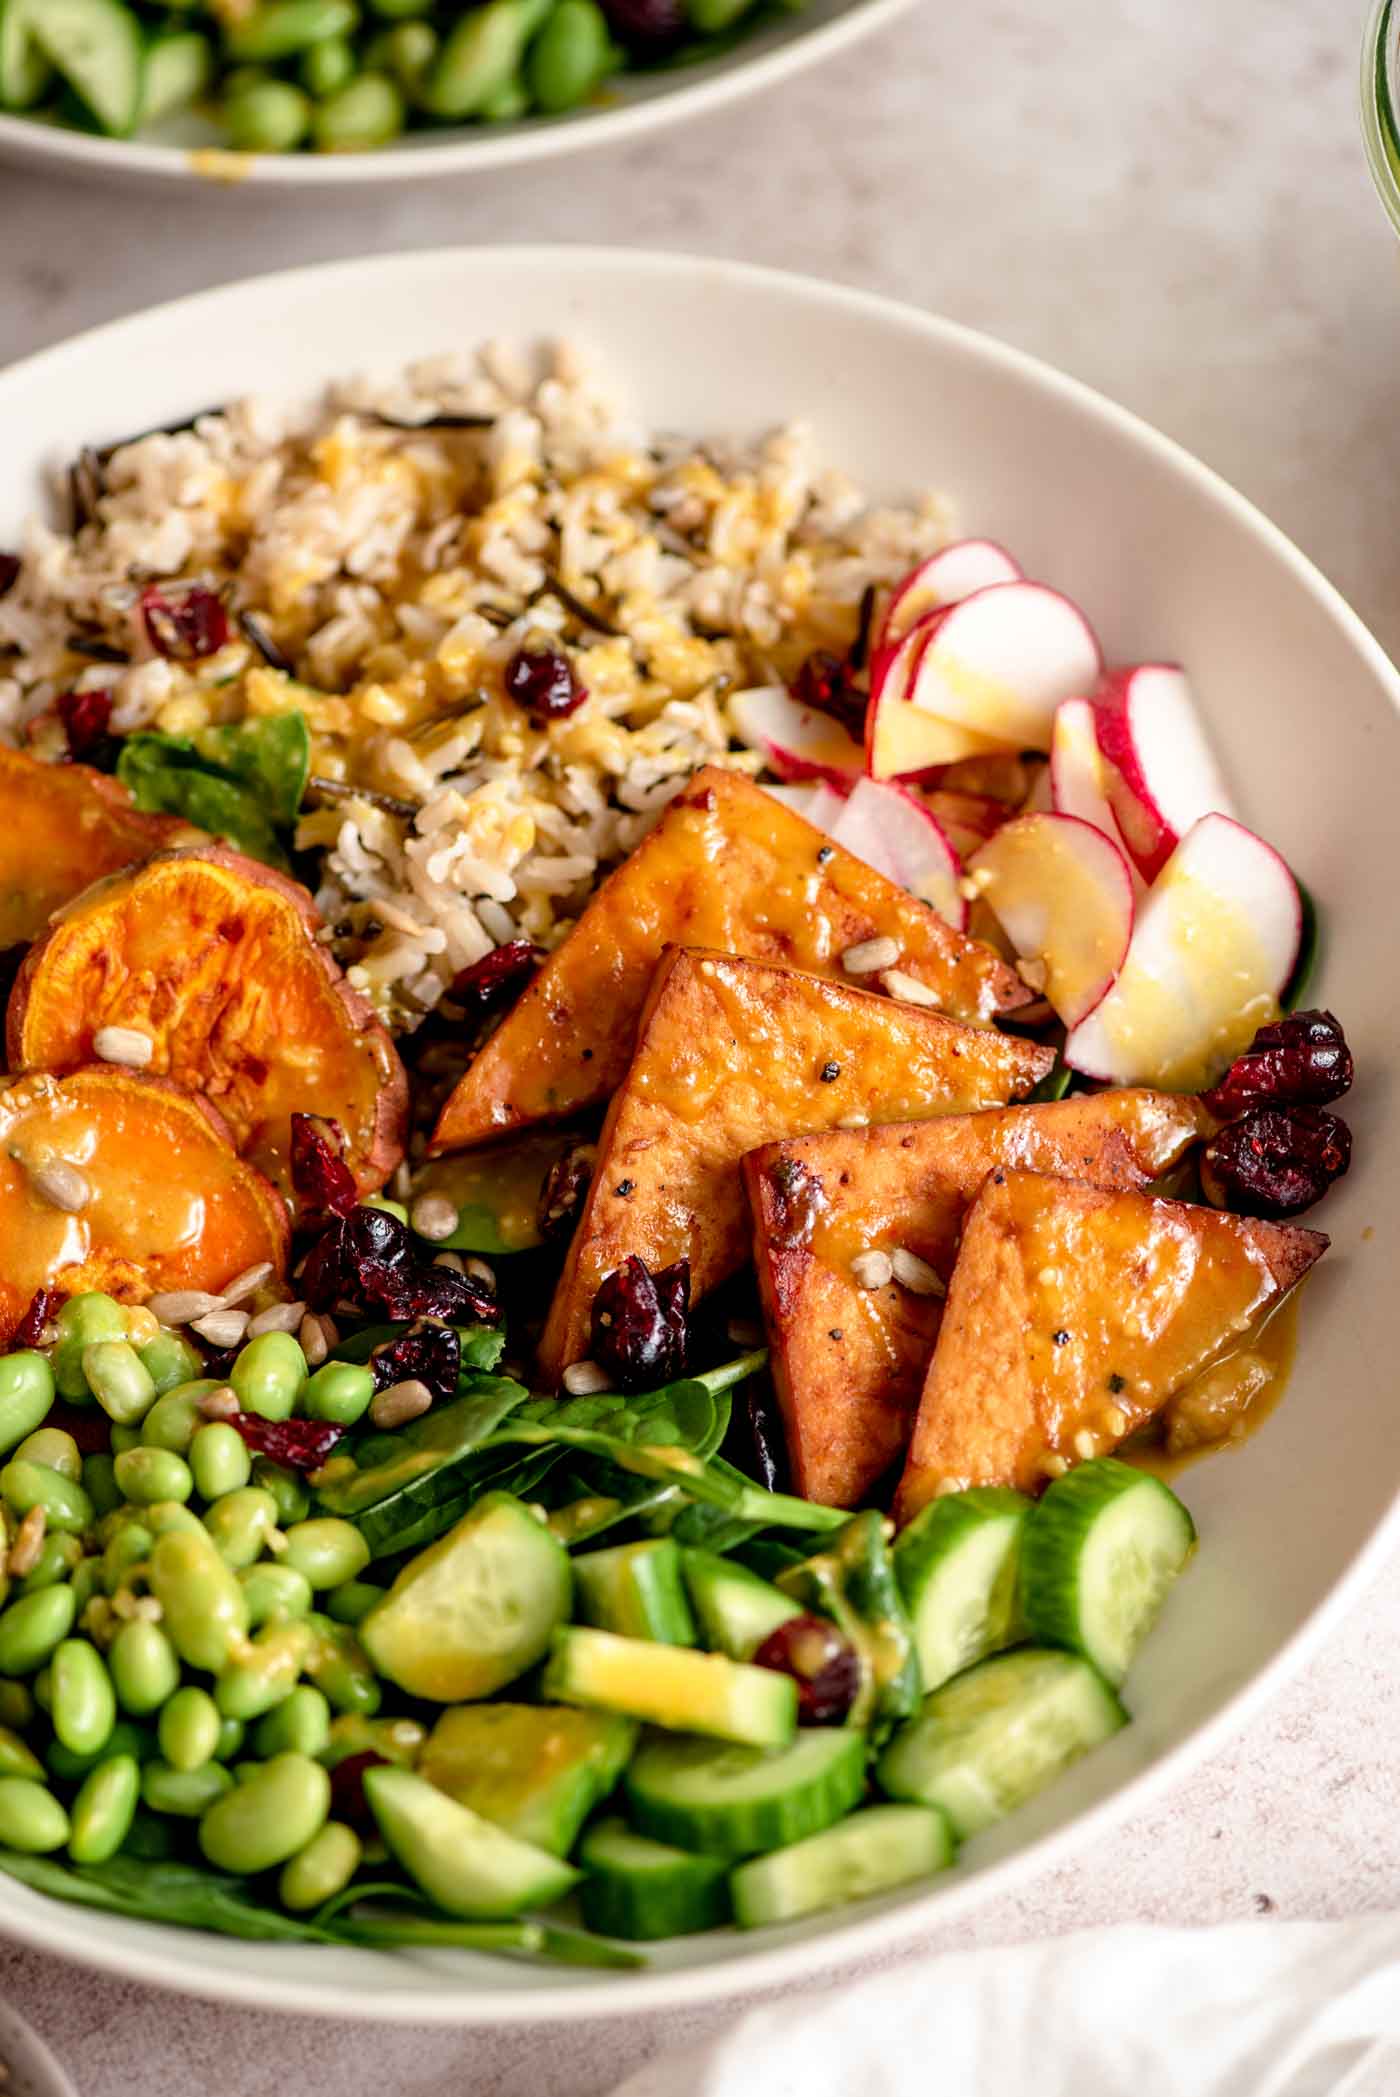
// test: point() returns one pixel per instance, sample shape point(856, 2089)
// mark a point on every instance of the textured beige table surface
point(1168, 200)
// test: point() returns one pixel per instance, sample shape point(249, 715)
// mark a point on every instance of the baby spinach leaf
point(271, 756)
point(241, 783)
point(482, 1345)
point(164, 1891)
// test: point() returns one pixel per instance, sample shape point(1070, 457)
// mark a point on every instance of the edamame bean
point(275, 1593)
point(124, 1438)
point(32, 1820)
point(292, 1500)
point(239, 1524)
point(17, 1760)
point(231, 1734)
point(301, 1722)
point(144, 1667)
point(119, 1380)
point(151, 1838)
point(51, 1446)
point(129, 1547)
point(104, 1809)
point(396, 10)
point(324, 1868)
point(59, 1557)
point(337, 1665)
point(124, 1739)
point(150, 1475)
point(480, 55)
point(163, 1516)
point(709, 17)
point(220, 1460)
point(185, 1794)
point(174, 1420)
point(268, 1818)
point(268, 1375)
point(99, 1477)
point(271, 116)
point(170, 1361)
point(32, 1627)
point(507, 105)
point(327, 1550)
point(406, 53)
point(87, 1582)
point(188, 1728)
point(326, 67)
point(84, 1703)
point(264, 1672)
point(339, 1391)
point(26, 1485)
point(43, 1689)
point(26, 1393)
point(352, 1602)
point(81, 1321)
point(205, 1615)
point(281, 29)
point(571, 55)
point(16, 1706)
point(397, 1740)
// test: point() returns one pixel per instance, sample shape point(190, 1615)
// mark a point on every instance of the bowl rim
point(809, 1960)
point(1380, 104)
point(718, 82)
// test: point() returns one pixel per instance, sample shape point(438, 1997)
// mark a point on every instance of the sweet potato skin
point(848, 1362)
point(726, 868)
point(730, 1053)
point(63, 827)
point(173, 1206)
point(215, 957)
point(1075, 1312)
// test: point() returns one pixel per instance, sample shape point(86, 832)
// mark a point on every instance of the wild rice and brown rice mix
point(398, 544)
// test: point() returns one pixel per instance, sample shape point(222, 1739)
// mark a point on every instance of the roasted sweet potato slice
point(1073, 1315)
point(848, 1360)
point(215, 959)
point(61, 827)
point(728, 868)
point(732, 1053)
point(113, 1181)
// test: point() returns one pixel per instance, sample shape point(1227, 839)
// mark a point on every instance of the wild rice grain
point(869, 956)
point(400, 1403)
point(124, 1045)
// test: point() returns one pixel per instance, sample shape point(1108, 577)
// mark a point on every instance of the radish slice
point(815, 801)
point(1161, 773)
point(903, 741)
point(945, 578)
point(999, 663)
point(1214, 943)
point(1078, 774)
point(1063, 895)
point(893, 830)
point(797, 741)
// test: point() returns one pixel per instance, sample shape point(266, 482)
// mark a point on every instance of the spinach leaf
point(241, 782)
point(482, 1345)
point(418, 1461)
point(155, 1891)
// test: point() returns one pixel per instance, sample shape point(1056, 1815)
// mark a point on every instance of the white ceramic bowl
point(1167, 561)
point(186, 148)
point(31, 2070)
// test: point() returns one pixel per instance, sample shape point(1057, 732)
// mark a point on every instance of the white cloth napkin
point(1283, 2009)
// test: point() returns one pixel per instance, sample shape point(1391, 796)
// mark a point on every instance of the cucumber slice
point(475, 1609)
point(990, 1739)
point(1100, 1554)
point(536, 1770)
point(736, 1610)
point(25, 72)
point(738, 1802)
point(957, 1565)
point(179, 67)
point(871, 1852)
point(468, 1866)
point(96, 46)
point(672, 1686)
point(636, 1590)
point(641, 1889)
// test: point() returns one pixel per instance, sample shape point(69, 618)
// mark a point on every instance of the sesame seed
point(915, 1274)
point(582, 1379)
point(907, 988)
point(1053, 1465)
point(1115, 1421)
point(124, 1045)
point(868, 956)
point(434, 1216)
point(1084, 1445)
point(872, 1269)
point(62, 1186)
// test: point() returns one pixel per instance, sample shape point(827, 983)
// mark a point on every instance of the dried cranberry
point(640, 1334)
point(10, 565)
point(432, 1353)
point(368, 1257)
point(320, 1174)
point(87, 720)
point(1275, 1161)
point(348, 1801)
point(824, 683)
point(501, 974)
point(648, 27)
point(184, 623)
point(1303, 1058)
point(543, 682)
point(822, 1662)
point(299, 1445)
point(42, 1306)
point(562, 1195)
